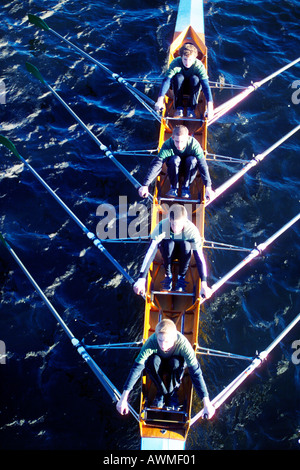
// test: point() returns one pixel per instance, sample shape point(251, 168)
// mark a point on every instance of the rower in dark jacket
point(186, 73)
point(183, 155)
point(167, 351)
point(177, 238)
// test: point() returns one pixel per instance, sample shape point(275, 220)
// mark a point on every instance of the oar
point(103, 379)
point(257, 159)
point(141, 97)
point(219, 399)
point(253, 254)
point(225, 107)
point(32, 69)
point(91, 236)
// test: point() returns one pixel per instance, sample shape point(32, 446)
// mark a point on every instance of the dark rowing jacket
point(197, 69)
point(168, 149)
point(183, 348)
point(189, 233)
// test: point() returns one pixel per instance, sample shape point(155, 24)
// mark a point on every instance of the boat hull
point(162, 429)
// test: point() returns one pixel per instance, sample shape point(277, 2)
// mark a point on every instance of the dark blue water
point(49, 398)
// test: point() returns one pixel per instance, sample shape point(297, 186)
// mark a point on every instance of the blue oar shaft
point(80, 51)
point(253, 254)
point(141, 97)
point(228, 105)
point(114, 394)
point(102, 147)
point(101, 376)
point(91, 236)
point(115, 76)
point(224, 394)
point(255, 161)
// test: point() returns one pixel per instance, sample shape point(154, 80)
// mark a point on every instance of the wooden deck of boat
point(184, 308)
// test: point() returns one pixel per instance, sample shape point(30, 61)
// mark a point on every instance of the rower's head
point(178, 216)
point(166, 334)
point(180, 137)
point(188, 53)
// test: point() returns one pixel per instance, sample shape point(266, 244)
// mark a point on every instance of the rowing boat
point(165, 429)
point(169, 429)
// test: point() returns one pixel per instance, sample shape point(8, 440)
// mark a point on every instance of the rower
point(176, 237)
point(167, 352)
point(183, 155)
point(186, 72)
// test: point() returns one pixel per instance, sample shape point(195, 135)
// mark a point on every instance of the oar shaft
point(90, 235)
point(222, 109)
point(139, 95)
point(106, 383)
point(32, 69)
point(219, 399)
point(38, 289)
point(279, 142)
point(282, 335)
point(270, 240)
point(103, 147)
point(81, 52)
point(55, 196)
point(224, 394)
point(228, 105)
point(257, 159)
point(283, 69)
point(253, 254)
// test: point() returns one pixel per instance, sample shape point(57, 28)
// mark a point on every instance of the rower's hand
point(122, 405)
point(206, 291)
point(208, 409)
point(209, 193)
point(209, 113)
point(139, 287)
point(143, 191)
point(159, 105)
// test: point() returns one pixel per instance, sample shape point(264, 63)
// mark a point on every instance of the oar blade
point(2, 240)
point(38, 22)
point(32, 69)
point(8, 144)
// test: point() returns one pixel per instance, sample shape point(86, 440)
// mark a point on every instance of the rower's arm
point(198, 380)
point(150, 255)
point(206, 291)
point(204, 171)
point(164, 87)
point(134, 374)
point(133, 377)
point(201, 264)
point(206, 90)
point(153, 171)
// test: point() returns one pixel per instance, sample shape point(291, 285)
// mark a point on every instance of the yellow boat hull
point(183, 309)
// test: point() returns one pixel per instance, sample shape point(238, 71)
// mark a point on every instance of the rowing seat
point(163, 417)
